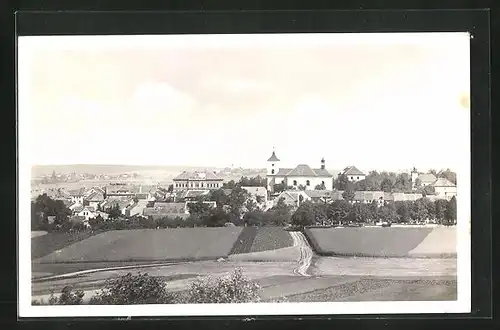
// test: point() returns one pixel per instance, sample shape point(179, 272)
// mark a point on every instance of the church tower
point(272, 169)
point(414, 176)
point(273, 164)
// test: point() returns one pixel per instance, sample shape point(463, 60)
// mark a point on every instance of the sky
point(376, 101)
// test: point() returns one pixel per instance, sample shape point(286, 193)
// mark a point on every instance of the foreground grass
point(383, 290)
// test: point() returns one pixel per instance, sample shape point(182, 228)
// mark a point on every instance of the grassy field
point(244, 242)
point(369, 242)
point(149, 245)
point(271, 238)
point(50, 242)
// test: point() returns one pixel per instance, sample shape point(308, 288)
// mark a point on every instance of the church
point(302, 175)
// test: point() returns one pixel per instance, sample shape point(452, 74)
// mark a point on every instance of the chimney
point(322, 163)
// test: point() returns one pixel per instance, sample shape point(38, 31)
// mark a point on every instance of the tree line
point(343, 212)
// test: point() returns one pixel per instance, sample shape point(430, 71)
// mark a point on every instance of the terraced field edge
point(244, 241)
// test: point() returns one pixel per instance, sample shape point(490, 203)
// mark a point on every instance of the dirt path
point(306, 253)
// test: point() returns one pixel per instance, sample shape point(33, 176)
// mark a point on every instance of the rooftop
point(352, 170)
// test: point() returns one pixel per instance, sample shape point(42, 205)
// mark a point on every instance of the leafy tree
point(216, 218)
point(251, 205)
point(133, 289)
point(68, 297)
point(403, 210)
point(341, 182)
point(257, 181)
point(258, 199)
point(387, 214)
point(236, 200)
point(199, 209)
point(418, 183)
point(419, 211)
point(302, 187)
point(339, 211)
point(96, 222)
point(280, 187)
point(348, 195)
point(114, 211)
point(403, 183)
point(440, 206)
point(256, 218)
point(320, 186)
point(450, 215)
point(360, 186)
point(170, 188)
point(304, 215)
point(279, 215)
point(433, 171)
point(234, 288)
point(386, 185)
point(361, 213)
point(229, 185)
point(219, 197)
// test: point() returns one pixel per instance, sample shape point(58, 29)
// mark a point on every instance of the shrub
point(67, 297)
point(233, 288)
point(133, 289)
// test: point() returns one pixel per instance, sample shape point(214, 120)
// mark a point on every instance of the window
point(272, 164)
point(308, 183)
point(272, 171)
point(294, 182)
point(357, 178)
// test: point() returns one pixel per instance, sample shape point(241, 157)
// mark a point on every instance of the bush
point(133, 289)
point(234, 288)
point(67, 297)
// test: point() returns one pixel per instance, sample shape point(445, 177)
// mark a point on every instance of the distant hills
point(42, 170)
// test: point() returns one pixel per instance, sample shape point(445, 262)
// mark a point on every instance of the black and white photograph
point(244, 174)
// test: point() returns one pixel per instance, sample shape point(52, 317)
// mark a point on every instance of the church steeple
point(273, 164)
point(273, 157)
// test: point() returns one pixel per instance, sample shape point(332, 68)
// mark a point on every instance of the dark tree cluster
point(343, 212)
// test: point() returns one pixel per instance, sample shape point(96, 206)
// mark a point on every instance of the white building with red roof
point(301, 175)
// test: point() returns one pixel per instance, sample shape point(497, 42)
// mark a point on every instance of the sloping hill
point(150, 245)
point(383, 242)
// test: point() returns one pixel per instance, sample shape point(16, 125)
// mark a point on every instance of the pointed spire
point(273, 157)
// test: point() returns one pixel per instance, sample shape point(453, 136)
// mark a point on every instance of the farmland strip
point(244, 242)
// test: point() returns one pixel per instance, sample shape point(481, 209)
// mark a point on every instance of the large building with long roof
point(200, 180)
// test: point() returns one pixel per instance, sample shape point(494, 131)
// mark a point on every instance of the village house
point(88, 212)
point(423, 179)
point(259, 194)
point(443, 188)
point(95, 198)
point(204, 180)
point(302, 175)
point(292, 198)
point(170, 210)
point(193, 195)
point(77, 196)
point(353, 174)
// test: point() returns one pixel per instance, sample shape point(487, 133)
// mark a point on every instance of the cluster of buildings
point(302, 183)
